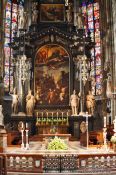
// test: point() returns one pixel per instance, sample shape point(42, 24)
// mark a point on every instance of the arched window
point(10, 24)
point(90, 11)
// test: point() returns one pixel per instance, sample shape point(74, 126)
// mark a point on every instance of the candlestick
point(37, 113)
point(22, 136)
point(27, 139)
point(87, 129)
point(104, 122)
point(26, 125)
point(57, 114)
point(67, 114)
point(42, 114)
point(62, 114)
point(22, 125)
point(52, 114)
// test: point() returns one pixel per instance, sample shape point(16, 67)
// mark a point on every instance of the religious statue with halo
point(74, 101)
point(30, 103)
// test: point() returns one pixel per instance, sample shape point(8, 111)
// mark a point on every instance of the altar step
point(93, 173)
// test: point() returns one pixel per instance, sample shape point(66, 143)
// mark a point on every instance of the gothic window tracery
point(11, 25)
point(91, 13)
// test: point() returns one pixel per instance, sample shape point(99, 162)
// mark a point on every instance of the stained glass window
point(90, 11)
point(11, 26)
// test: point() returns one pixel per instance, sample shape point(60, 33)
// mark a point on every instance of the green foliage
point(57, 144)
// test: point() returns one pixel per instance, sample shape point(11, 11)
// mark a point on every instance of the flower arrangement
point(57, 144)
point(113, 139)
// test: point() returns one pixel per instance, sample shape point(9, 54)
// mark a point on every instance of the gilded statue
point(30, 103)
point(74, 101)
point(90, 103)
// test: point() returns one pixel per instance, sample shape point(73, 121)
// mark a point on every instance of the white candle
point(22, 125)
point(104, 122)
point(62, 114)
point(26, 125)
point(67, 114)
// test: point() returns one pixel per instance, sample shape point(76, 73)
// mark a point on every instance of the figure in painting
point(15, 101)
point(74, 101)
point(1, 117)
point(30, 103)
point(90, 103)
point(51, 96)
point(38, 93)
point(62, 94)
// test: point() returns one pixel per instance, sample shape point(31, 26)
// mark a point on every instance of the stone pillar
point(114, 59)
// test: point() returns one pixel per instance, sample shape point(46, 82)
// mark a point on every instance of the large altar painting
point(52, 76)
point(52, 13)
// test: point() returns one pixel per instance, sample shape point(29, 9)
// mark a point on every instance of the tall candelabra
point(105, 135)
point(81, 63)
point(23, 67)
point(25, 137)
point(22, 135)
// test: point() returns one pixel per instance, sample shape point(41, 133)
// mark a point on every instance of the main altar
point(54, 120)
